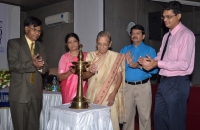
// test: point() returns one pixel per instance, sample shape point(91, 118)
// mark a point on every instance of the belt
point(163, 77)
point(138, 82)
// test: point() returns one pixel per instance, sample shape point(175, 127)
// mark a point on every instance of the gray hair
point(103, 34)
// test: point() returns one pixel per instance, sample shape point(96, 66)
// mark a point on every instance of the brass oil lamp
point(79, 101)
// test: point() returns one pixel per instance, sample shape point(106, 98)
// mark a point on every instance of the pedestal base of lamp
point(79, 103)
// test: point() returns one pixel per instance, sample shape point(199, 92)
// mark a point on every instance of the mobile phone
point(38, 57)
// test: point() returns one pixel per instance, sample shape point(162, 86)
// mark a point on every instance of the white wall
point(88, 22)
point(10, 28)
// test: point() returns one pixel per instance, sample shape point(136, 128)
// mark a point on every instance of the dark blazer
point(19, 61)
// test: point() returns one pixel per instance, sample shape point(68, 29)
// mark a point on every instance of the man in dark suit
point(27, 61)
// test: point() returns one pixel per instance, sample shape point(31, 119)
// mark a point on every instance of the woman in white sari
point(106, 78)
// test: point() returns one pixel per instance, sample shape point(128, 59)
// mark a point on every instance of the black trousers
point(25, 116)
point(171, 103)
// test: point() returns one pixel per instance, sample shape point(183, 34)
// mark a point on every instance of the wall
point(119, 13)
point(88, 22)
point(53, 37)
point(9, 29)
point(192, 20)
point(146, 7)
point(22, 18)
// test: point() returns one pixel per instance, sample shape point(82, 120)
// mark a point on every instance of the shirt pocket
point(172, 53)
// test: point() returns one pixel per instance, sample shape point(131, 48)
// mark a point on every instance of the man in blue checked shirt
point(138, 86)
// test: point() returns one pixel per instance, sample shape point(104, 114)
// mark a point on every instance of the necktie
point(32, 54)
point(163, 53)
point(165, 47)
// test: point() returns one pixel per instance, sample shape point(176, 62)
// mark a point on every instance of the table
point(96, 117)
point(49, 99)
point(5, 119)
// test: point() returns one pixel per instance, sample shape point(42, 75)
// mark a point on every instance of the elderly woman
point(66, 74)
point(106, 81)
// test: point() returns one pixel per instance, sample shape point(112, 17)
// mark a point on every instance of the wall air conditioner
point(58, 19)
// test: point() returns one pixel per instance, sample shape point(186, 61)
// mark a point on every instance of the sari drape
point(69, 85)
point(101, 85)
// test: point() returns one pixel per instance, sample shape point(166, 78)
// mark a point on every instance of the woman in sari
point(66, 74)
point(106, 78)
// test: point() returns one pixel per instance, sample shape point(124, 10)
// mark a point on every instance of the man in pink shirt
point(176, 61)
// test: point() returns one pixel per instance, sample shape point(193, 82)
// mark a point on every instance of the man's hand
point(148, 63)
point(128, 57)
point(134, 65)
point(37, 61)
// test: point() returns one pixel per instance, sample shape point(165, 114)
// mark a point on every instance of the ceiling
point(28, 5)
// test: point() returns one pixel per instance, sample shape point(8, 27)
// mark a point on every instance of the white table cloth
point(49, 99)
point(5, 119)
point(96, 117)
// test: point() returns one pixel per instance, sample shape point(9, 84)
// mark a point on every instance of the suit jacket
point(20, 66)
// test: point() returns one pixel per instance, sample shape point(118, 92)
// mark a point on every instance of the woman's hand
point(111, 99)
point(93, 68)
point(65, 75)
point(72, 70)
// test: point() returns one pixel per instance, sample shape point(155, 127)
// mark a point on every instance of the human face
point(170, 19)
point(33, 33)
point(137, 36)
point(72, 44)
point(103, 44)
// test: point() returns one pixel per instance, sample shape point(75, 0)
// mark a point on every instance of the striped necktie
point(32, 54)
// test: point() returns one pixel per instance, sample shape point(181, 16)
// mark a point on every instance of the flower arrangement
point(4, 78)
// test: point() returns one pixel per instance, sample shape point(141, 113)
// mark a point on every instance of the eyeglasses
point(35, 30)
point(104, 45)
point(167, 17)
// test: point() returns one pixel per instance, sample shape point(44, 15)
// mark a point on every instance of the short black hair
point(139, 27)
point(71, 35)
point(32, 21)
point(175, 6)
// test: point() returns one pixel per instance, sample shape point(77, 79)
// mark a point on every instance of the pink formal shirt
point(179, 56)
